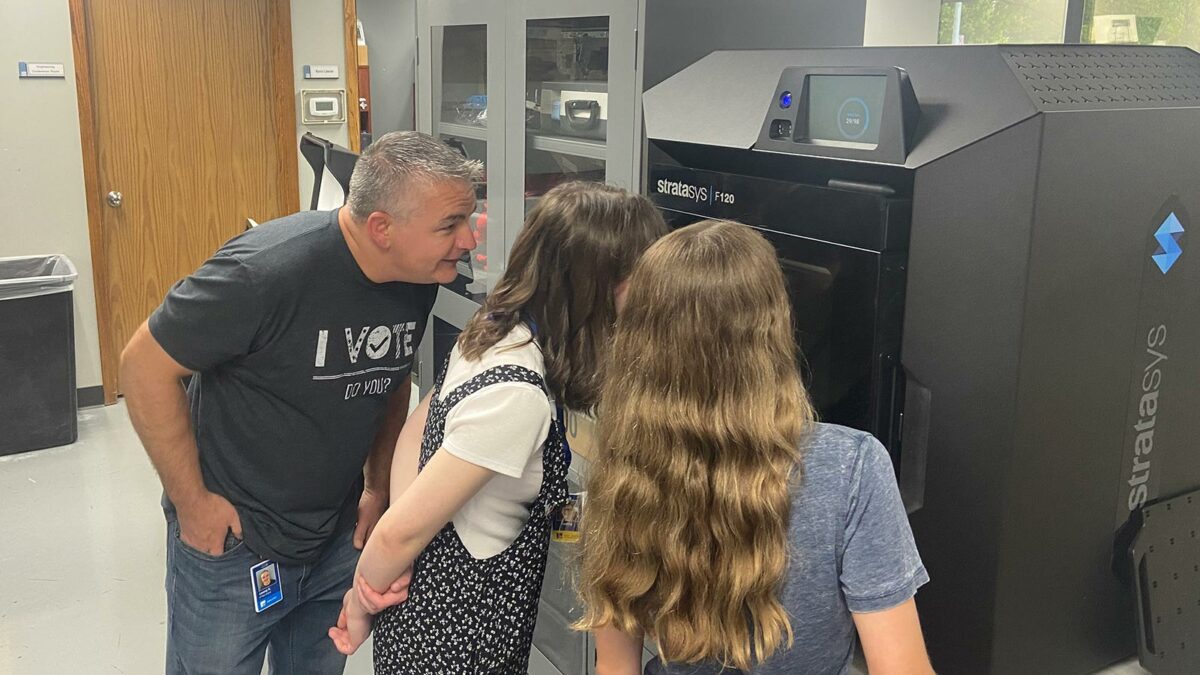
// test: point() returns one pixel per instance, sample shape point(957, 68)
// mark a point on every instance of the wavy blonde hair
point(686, 526)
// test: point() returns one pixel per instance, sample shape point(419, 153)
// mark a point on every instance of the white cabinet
point(544, 91)
point(540, 91)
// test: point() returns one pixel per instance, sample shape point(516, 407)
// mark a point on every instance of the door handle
point(114, 199)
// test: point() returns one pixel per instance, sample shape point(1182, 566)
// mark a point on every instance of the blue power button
point(785, 99)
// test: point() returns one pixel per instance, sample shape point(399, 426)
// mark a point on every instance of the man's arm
point(379, 465)
point(158, 408)
point(378, 469)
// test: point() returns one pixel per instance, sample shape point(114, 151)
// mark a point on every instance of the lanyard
point(562, 433)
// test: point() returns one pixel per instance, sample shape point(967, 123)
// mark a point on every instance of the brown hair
point(579, 243)
point(686, 527)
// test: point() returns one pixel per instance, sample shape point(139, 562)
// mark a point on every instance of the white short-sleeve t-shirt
point(502, 428)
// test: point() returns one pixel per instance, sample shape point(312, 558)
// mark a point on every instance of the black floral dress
point(465, 615)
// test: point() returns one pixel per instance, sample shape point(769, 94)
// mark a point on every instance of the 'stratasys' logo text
point(676, 188)
point(1143, 443)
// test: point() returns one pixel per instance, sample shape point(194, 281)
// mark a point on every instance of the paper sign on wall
point(25, 69)
point(320, 72)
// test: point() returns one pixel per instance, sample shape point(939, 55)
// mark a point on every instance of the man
point(300, 337)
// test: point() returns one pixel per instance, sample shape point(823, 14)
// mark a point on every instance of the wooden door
point(194, 125)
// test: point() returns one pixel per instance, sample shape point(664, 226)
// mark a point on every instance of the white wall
point(317, 41)
point(391, 29)
point(901, 22)
point(41, 162)
point(42, 207)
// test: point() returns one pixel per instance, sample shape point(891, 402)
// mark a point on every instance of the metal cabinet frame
point(507, 140)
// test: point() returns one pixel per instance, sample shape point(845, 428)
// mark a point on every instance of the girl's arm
point(617, 652)
point(892, 642)
point(417, 514)
point(408, 449)
point(405, 458)
point(421, 504)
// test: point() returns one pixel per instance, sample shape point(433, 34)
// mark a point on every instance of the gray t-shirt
point(295, 353)
point(852, 551)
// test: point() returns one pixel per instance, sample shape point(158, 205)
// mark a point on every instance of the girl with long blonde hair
point(722, 520)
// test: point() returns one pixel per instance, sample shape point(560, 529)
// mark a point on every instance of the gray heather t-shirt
point(852, 551)
point(295, 353)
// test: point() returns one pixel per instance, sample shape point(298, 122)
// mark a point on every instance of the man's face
point(427, 246)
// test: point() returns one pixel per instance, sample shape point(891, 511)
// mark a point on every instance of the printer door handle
point(914, 442)
point(581, 114)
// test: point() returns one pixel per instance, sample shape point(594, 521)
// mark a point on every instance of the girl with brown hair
point(471, 499)
point(723, 521)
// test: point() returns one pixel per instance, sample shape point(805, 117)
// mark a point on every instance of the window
point(1146, 22)
point(1003, 21)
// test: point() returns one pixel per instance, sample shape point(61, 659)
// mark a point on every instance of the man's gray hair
point(394, 162)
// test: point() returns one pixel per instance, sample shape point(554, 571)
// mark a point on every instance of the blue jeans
point(211, 623)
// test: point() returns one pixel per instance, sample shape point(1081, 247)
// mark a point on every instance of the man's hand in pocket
point(204, 523)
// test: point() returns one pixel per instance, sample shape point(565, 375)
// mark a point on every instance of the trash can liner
point(28, 276)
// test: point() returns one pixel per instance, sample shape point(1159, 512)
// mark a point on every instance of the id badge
point(264, 579)
point(564, 522)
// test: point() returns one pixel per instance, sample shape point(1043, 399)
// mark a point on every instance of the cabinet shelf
point(565, 145)
point(463, 131)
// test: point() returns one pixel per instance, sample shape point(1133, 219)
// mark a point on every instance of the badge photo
point(264, 581)
point(564, 522)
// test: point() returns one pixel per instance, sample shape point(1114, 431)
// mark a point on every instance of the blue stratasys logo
point(1168, 236)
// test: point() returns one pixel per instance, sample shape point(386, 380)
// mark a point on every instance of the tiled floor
point(81, 566)
point(81, 569)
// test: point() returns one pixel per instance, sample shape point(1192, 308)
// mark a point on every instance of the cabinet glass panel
point(460, 98)
point(566, 102)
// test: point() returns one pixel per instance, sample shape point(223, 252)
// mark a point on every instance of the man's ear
point(379, 229)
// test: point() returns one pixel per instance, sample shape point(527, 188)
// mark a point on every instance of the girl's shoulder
point(518, 348)
point(824, 443)
point(515, 349)
point(836, 460)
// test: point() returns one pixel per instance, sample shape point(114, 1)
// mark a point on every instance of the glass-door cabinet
point(460, 94)
point(542, 92)
point(571, 92)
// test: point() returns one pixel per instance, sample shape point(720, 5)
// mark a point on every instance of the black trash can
point(37, 353)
